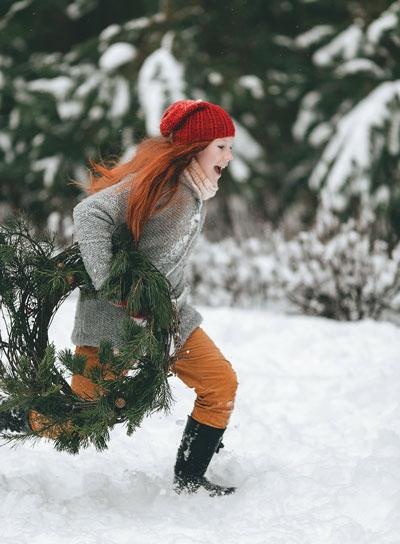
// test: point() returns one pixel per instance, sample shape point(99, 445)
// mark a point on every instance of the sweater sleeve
point(95, 219)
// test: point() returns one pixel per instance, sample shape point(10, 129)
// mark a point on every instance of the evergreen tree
point(349, 114)
point(91, 85)
point(95, 82)
point(60, 103)
point(294, 74)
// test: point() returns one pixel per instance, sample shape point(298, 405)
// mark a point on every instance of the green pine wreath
point(35, 279)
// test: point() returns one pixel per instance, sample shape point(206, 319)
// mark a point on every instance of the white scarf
point(194, 175)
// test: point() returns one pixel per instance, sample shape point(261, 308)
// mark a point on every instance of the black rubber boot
point(199, 443)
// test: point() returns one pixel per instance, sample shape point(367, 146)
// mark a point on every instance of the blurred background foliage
point(313, 86)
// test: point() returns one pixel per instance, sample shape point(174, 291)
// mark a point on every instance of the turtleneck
point(196, 178)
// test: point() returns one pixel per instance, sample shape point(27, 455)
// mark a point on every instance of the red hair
point(156, 165)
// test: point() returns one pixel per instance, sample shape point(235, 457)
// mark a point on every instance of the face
point(215, 157)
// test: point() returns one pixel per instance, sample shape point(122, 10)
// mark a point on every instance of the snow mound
point(313, 446)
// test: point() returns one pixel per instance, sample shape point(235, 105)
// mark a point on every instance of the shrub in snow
point(338, 271)
point(231, 273)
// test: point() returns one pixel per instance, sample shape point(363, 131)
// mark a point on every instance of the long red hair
point(156, 165)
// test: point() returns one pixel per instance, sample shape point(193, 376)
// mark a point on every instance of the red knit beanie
point(188, 121)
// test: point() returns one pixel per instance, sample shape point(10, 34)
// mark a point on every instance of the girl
point(161, 194)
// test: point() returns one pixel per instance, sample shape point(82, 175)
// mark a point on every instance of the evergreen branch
point(34, 282)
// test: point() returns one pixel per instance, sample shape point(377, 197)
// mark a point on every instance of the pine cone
point(120, 402)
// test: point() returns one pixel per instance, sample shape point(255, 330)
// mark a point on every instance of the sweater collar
point(194, 176)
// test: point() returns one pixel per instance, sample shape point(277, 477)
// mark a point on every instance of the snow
point(239, 170)
point(15, 7)
point(121, 98)
point(5, 61)
point(79, 8)
point(58, 86)
point(228, 273)
point(388, 20)
point(307, 115)
point(116, 55)
point(57, 223)
point(53, 221)
point(381, 196)
point(5, 141)
point(127, 139)
point(254, 84)
point(320, 134)
point(93, 81)
point(351, 147)
point(6, 147)
point(38, 140)
point(394, 134)
point(69, 109)
point(114, 93)
point(14, 118)
point(313, 36)
point(245, 150)
point(95, 113)
point(143, 22)
point(109, 32)
point(215, 78)
point(313, 446)
point(359, 65)
point(346, 44)
point(160, 82)
point(50, 166)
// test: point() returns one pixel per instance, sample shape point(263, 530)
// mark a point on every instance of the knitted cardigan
point(167, 239)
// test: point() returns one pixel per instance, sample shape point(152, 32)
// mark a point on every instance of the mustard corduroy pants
point(199, 364)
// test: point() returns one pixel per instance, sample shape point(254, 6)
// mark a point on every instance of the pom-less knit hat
point(188, 121)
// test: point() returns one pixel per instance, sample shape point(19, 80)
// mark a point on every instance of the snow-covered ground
point(313, 446)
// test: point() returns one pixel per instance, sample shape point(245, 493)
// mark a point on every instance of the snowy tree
point(93, 83)
point(350, 118)
point(80, 91)
point(64, 98)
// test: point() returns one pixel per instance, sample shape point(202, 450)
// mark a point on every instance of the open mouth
point(218, 169)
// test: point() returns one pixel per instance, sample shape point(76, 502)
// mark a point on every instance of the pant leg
point(201, 366)
point(81, 384)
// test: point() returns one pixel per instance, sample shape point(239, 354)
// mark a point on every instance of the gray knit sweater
point(167, 239)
